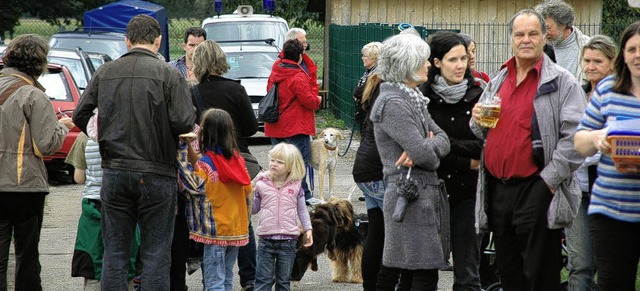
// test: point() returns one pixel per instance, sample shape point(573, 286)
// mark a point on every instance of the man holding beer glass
point(528, 159)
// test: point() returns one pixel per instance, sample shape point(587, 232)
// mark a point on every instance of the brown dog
point(324, 157)
point(334, 230)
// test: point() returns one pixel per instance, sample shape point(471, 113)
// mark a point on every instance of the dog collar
point(329, 148)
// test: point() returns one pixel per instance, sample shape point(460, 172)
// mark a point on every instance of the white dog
point(324, 156)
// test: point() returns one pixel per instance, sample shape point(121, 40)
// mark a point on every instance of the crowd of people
point(542, 175)
point(164, 154)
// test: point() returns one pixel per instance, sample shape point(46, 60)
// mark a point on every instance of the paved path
point(62, 210)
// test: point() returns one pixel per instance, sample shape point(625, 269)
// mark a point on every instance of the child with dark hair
point(218, 187)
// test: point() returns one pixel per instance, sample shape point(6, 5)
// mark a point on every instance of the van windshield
point(248, 65)
point(253, 30)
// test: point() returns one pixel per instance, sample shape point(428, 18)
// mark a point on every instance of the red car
point(64, 95)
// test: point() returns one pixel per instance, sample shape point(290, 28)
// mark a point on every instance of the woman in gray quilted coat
point(407, 136)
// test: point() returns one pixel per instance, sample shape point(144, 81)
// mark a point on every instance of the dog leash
point(353, 128)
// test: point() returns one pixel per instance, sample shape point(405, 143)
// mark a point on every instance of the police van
point(252, 43)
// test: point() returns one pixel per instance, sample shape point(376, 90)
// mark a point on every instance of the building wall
point(422, 12)
point(485, 20)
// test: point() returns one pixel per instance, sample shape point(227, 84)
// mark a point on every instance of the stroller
point(489, 278)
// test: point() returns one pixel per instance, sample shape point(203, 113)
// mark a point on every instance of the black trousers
point(372, 253)
point(617, 250)
point(21, 216)
point(528, 253)
point(410, 280)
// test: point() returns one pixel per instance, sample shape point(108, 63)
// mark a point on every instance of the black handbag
point(268, 106)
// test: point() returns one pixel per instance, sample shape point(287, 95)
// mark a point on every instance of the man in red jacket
point(298, 99)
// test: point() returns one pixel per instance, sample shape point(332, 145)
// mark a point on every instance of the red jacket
point(299, 117)
point(311, 67)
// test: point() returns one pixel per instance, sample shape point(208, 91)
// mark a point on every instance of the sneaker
point(193, 264)
point(313, 201)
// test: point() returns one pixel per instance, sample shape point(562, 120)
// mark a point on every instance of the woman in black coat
point(209, 65)
point(453, 92)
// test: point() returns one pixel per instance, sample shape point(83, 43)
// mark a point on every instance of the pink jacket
point(278, 208)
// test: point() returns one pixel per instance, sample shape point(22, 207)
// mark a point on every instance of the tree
point(9, 16)
point(54, 12)
point(616, 16)
point(59, 12)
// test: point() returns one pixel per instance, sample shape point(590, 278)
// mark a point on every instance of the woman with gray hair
point(413, 144)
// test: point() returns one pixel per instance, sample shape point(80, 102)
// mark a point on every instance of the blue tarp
point(115, 16)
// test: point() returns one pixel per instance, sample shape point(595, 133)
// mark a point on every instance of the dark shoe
point(447, 268)
point(193, 264)
point(248, 288)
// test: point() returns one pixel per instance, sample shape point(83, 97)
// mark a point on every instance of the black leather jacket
point(143, 104)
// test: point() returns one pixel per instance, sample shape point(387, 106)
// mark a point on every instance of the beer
point(490, 115)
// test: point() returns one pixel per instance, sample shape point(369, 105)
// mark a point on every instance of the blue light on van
point(217, 6)
point(269, 6)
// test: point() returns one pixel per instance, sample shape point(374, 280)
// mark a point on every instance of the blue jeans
point(131, 198)
point(373, 193)
point(247, 260)
point(303, 143)
point(217, 267)
point(465, 246)
point(579, 247)
point(275, 257)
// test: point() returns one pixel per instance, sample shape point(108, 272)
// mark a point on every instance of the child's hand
point(188, 137)
point(308, 238)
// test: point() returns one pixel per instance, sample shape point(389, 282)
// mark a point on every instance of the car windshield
point(75, 68)
point(111, 47)
point(55, 86)
point(246, 65)
point(254, 30)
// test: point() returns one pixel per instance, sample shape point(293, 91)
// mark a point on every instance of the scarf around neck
point(451, 94)
point(416, 98)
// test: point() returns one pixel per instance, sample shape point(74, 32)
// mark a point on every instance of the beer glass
point(490, 112)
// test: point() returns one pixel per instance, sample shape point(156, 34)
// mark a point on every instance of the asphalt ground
point(62, 210)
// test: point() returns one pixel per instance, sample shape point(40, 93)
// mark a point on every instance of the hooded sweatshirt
point(296, 95)
point(218, 203)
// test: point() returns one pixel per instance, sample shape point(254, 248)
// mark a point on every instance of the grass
point(325, 118)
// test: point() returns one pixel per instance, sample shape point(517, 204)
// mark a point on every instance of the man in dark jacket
point(144, 105)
